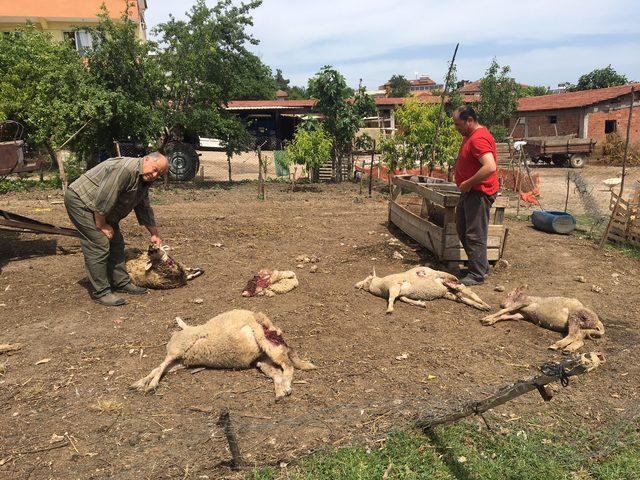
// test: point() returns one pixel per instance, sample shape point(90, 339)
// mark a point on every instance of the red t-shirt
point(473, 147)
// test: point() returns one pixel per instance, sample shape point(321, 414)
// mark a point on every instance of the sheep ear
point(165, 248)
point(148, 266)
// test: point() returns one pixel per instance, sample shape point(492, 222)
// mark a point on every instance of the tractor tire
point(577, 161)
point(559, 160)
point(184, 161)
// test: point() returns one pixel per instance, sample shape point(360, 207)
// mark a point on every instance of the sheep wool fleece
point(104, 259)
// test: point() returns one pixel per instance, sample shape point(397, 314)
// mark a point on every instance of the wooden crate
point(431, 220)
point(625, 221)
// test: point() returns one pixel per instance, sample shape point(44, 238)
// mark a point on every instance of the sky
point(544, 42)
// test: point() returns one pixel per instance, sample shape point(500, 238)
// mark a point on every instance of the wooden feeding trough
point(424, 208)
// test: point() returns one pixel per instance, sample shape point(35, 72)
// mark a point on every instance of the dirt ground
point(66, 412)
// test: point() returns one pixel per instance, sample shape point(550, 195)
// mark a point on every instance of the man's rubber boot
point(110, 300)
point(470, 281)
point(132, 289)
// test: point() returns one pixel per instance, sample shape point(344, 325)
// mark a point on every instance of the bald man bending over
point(96, 202)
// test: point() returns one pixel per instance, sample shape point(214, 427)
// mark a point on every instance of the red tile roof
point(470, 88)
point(293, 104)
point(281, 93)
point(557, 101)
point(422, 81)
point(248, 104)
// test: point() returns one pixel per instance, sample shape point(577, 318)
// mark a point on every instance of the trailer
point(12, 157)
point(560, 151)
point(18, 223)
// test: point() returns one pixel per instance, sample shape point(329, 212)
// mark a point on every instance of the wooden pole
point(260, 176)
point(624, 172)
point(63, 175)
point(229, 165)
point(224, 421)
point(373, 155)
point(566, 200)
point(442, 97)
point(549, 373)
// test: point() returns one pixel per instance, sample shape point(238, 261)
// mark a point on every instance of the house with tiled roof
point(418, 85)
point(65, 19)
point(585, 114)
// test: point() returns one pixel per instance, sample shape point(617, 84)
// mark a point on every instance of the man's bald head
point(154, 166)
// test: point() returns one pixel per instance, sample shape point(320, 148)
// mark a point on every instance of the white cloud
point(300, 36)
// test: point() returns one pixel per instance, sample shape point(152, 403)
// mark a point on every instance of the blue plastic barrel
point(553, 222)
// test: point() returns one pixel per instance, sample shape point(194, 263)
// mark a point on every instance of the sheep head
point(158, 256)
point(257, 284)
point(364, 284)
point(515, 296)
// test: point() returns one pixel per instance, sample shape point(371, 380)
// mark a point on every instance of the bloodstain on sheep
point(273, 336)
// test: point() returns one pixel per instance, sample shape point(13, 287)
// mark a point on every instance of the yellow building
point(61, 18)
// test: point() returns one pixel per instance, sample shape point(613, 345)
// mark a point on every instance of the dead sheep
point(560, 314)
point(157, 270)
point(419, 285)
point(238, 339)
point(270, 283)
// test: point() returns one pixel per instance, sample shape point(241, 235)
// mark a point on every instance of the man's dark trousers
point(104, 259)
point(472, 223)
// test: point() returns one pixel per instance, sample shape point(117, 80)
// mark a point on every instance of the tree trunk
point(229, 165)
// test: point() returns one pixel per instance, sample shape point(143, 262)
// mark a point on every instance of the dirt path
point(375, 370)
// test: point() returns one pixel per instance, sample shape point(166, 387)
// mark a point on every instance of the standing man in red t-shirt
point(476, 177)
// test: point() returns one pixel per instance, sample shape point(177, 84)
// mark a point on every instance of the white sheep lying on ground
point(270, 283)
point(156, 269)
point(237, 339)
point(418, 285)
point(561, 314)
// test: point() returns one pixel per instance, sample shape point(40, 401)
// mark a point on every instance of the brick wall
point(538, 124)
point(621, 116)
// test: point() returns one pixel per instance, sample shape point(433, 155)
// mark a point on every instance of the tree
point(364, 103)
point(298, 93)
point(532, 91)
point(281, 82)
point(207, 64)
point(310, 147)
point(342, 121)
point(455, 99)
point(417, 125)
point(498, 99)
point(398, 86)
point(45, 86)
point(600, 78)
point(236, 138)
point(121, 64)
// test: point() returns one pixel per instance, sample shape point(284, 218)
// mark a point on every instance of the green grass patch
point(28, 184)
point(463, 452)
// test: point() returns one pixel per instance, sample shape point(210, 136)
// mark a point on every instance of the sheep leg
point(410, 301)
point(193, 273)
point(279, 354)
point(466, 301)
point(394, 292)
point(272, 371)
point(464, 294)
point(503, 318)
point(573, 340)
point(471, 302)
point(511, 309)
point(150, 382)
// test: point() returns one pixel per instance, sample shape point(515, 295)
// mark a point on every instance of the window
point(553, 119)
point(610, 126)
point(81, 40)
